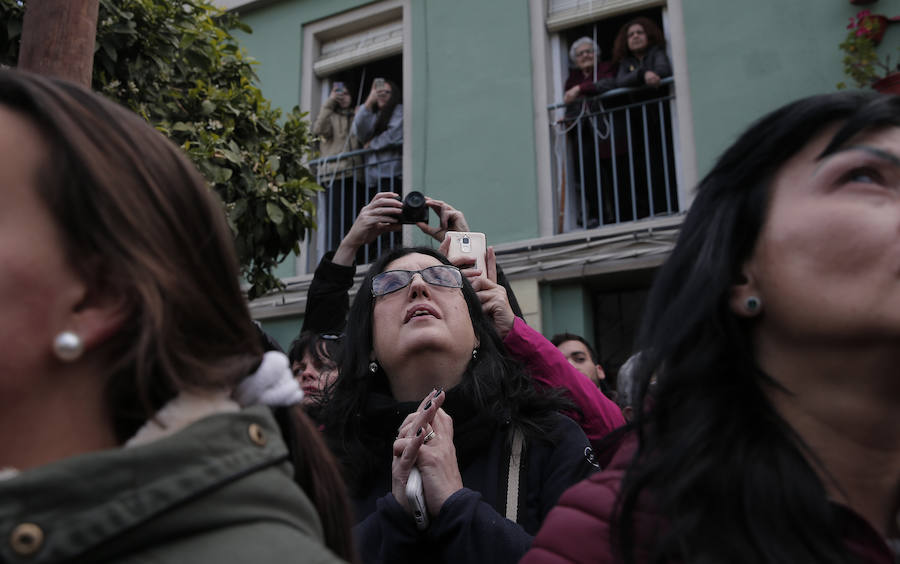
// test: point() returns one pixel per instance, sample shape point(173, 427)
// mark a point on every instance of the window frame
point(314, 89)
point(547, 50)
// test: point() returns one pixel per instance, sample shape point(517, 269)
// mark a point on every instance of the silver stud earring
point(67, 346)
point(474, 354)
point(373, 367)
point(753, 304)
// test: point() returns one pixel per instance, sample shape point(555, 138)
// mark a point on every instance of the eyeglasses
point(438, 275)
point(584, 52)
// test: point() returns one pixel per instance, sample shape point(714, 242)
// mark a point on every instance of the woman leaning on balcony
point(589, 134)
point(640, 51)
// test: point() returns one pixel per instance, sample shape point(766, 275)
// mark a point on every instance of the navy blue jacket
point(471, 525)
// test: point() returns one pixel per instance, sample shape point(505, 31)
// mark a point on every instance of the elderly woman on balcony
point(590, 77)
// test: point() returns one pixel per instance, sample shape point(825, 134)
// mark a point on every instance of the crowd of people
point(146, 418)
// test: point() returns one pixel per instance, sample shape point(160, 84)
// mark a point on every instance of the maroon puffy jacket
point(578, 528)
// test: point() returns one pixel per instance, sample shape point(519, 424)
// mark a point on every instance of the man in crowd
point(581, 355)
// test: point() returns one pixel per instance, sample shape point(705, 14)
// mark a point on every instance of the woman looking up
point(125, 344)
point(773, 334)
point(426, 383)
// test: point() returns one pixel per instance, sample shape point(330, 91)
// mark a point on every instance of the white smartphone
point(415, 495)
point(468, 248)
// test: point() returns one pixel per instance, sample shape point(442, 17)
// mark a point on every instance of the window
point(615, 156)
point(353, 50)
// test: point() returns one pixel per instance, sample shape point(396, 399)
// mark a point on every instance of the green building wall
point(472, 130)
point(748, 58)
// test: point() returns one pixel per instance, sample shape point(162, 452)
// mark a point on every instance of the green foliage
point(177, 64)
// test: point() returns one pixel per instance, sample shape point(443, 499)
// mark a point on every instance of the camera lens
point(415, 199)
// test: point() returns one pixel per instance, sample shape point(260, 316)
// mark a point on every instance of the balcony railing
point(347, 190)
point(613, 158)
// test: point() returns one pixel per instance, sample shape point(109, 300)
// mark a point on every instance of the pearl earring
point(373, 367)
point(753, 304)
point(67, 346)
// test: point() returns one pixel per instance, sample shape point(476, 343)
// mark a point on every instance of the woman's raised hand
point(494, 300)
point(372, 101)
point(450, 219)
point(380, 215)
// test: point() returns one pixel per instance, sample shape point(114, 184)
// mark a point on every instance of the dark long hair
point(726, 472)
point(495, 383)
point(385, 112)
point(139, 223)
point(316, 472)
point(654, 37)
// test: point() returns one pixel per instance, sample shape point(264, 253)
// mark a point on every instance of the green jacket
point(220, 490)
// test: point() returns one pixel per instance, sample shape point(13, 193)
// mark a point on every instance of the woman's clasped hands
point(425, 441)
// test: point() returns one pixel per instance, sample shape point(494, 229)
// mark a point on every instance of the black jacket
point(632, 70)
point(471, 525)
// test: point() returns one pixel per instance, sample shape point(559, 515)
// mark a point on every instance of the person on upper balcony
point(640, 51)
point(378, 125)
point(332, 126)
point(589, 75)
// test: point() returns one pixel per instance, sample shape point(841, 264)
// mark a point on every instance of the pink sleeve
point(550, 369)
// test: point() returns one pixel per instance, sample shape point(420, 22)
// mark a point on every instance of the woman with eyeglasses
point(426, 384)
point(589, 75)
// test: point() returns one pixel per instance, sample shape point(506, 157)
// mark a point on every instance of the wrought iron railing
point(350, 180)
point(614, 157)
